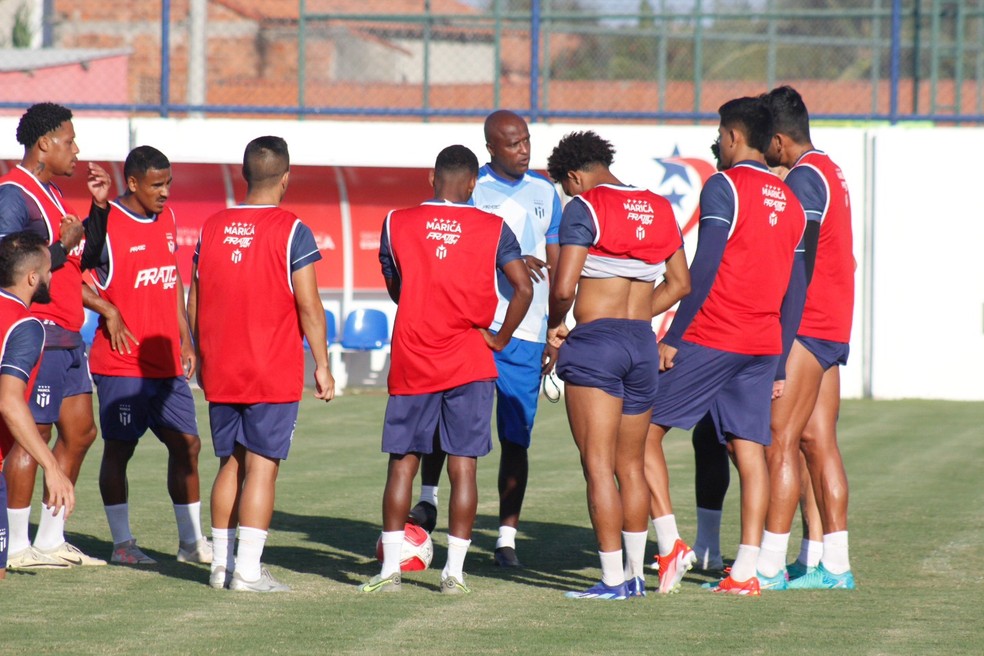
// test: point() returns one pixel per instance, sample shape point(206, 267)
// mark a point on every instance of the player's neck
point(22, 292)
point(796, 152)
point(129, 201)
point(33, 163)
point(263, 197)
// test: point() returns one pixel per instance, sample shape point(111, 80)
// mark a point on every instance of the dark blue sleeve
point(792, 310)
point(22, 350)
point(577, 227)
point(810, 190)
point(386, 259)
point(553, 230)
point(717, 211)
point(13, 210)
point(508, 249)
point(303, 249)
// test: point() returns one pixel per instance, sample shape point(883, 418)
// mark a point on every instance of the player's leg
point(3, 526)
point(712, 476)
point(753, 474)
point(424, 513)
point(811, 546)
point(461, 519)
point(224, 509)
point(172, 418)
point(790, 412)
point(830, 487)
point(634, 494)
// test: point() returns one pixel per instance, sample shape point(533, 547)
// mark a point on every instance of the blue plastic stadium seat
point(90, 326)
point(365, 330)
point(331, 330)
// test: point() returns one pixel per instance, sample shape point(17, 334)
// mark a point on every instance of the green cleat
point(392, 583)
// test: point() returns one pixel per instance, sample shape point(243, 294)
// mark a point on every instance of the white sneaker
point(266, 583)
point(72, 555)
point(195, 552)
point(31, 558)
point(128, 553)
point(219, 578)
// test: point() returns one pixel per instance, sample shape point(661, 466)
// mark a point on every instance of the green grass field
point(917, 538)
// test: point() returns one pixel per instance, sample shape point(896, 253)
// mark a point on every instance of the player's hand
point(494, 342)
point(324, 384)
point(778, 387)
point(119, 335)
point(666, 355)
point(71, 231)
point(538, 268)
point(556, 336)
point(189, 361)
point(61, 492)
point(99, 184)
point(549, 359)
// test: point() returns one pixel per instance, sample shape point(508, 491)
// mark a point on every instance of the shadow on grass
point(553, 555)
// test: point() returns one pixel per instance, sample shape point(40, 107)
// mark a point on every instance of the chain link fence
point(549, 59)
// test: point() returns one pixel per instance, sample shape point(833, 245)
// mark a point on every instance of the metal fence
point(664, 60)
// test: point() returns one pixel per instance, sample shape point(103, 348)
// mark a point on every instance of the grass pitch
point(917, 549)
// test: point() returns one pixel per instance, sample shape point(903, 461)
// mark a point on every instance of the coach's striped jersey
point(629, 232)
point(446, 256)
point(820, 186)
point(766, 223)
point(140, 278)
point(65, 309)
point(20, 353)
point(249, 335)
point(531, 208)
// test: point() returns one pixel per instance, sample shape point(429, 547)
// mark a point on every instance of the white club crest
point(237, 256)
point(442, 252)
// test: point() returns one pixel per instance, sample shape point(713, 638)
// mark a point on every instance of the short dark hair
point(15, 249)
point(752, 117)
point(579, 151)
point(39, 120)
point(454, 160)
point(266, 159)
point(789, 113)
point(142, 159)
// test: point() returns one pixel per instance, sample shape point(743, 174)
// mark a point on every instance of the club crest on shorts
point(43, 397)
point(126, 415)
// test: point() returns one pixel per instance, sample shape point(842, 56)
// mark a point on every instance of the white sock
point(772, 557)
point(707, 544)
point(612, 572)
point(51, 529)
point(118, 517)
point(428, 493)
point(635, 553)
point(457, 550)
point(18, 535)
point(222, 552)
point(392, 550)
point(666, 533)
point(835, 559)
point(507, 537)
point(810, 552)
point(745, 561)
point(249, 552)
point(189, 518)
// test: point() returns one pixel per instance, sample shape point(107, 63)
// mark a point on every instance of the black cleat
point(506, 557)
point(424, 515)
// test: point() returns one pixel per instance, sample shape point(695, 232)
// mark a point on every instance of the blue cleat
point(797, 569)
point(777, 582)
point(821, 579)
point(636, 587)
point(601, 591)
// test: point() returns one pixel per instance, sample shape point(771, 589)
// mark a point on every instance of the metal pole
point(547, 25)
point(165, 56)
point(893, 105)
point(497, 55)
point(197, 58)
point(916, 48)
point(875, 75)
point(662, 57)
point(770, 63)
point(427, 38)
point(698, 53)
point(534, 60)
point(301, 51)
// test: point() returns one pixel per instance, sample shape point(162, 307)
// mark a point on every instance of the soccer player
point(722, 350)
point(62, 392)
point(615, 242)
point(530, 206)
point(253, 296)
point(805, 417)
point(145, 385)
point(25, 275)
point(439, 260)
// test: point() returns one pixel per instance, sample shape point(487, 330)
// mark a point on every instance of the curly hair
point(39, 120)
point(579, 151)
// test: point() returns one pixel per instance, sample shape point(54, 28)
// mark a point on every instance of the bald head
point(507, 138)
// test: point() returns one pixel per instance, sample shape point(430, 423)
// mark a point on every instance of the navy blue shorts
point(63, 373)
point(517, 390)
point(617, 356)
point(463, 415)
point(827, 353)
point(129, 406)
point(263, 428)
point(4, 525)
point(735, 389)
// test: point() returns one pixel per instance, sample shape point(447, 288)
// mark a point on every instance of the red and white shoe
point(749, 588)
point(674, 565)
